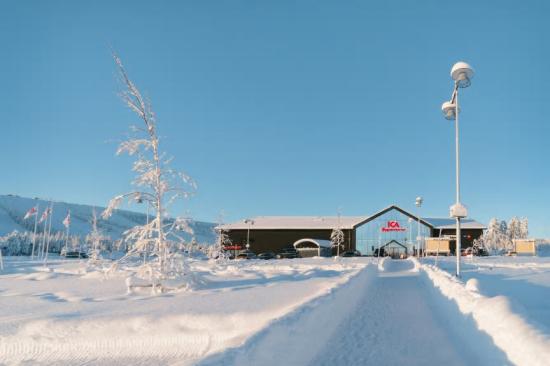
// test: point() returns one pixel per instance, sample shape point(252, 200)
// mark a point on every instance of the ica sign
point(392, 226)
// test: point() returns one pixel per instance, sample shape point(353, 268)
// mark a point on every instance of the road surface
point(398, 322)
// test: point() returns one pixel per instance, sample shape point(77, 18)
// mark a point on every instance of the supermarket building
point(393, 230)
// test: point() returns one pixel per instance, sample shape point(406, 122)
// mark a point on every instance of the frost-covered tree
point(95, 240)
point(477, 245)
point(500, 235)
point(20, 243)
point(514, 229)
point(493, 238)
point(156, 183)
point(524, 228)
point(217, 251)
point(336, 239)
point(505, 239)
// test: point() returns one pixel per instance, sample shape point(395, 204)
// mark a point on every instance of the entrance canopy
point(307, 244)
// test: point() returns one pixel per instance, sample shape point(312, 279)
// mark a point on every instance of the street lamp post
point(462, 74)
point(418, 204)
point(410, 233)
point(249, 222)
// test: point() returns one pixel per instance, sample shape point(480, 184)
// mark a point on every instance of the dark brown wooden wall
point(276, 240)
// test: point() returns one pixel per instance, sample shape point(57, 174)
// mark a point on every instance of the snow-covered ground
point(73, 316)
point(317, 311)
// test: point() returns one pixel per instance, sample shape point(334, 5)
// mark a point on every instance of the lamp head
point(449, 110)
point(419, 201)
point(462, 74)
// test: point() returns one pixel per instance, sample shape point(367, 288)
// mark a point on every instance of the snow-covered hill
point(13, 209)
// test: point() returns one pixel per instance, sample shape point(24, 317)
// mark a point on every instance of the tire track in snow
point(296, 338)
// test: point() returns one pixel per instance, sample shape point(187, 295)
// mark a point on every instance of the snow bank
point(297, 338)
point(522, 343)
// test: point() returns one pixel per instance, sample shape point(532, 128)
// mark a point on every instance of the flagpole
point(67, 234)
point(49, 231)
point(43, 241)
point(35, 226)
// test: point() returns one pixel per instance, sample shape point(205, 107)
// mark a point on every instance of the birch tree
point(156, 183)
point(95, 239)
point(337, 238)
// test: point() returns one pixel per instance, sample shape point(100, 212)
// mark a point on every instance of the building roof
point(450, 223)
point(344, 222)
point(297, 222)
point(397, 208)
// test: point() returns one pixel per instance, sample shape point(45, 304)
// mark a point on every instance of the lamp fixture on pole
point(418, 204)
point(249, 222)
point(462, 74)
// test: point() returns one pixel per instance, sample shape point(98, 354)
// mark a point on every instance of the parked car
point(246, 255)
point(288, 253)
point(76, 255)
point(266, 255)
point(351, 253)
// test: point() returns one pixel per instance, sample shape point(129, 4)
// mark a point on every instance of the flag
point(45, 215)
point(67, 220)
point(30, 213)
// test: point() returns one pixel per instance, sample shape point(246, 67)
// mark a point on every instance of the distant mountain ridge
point(13, 208)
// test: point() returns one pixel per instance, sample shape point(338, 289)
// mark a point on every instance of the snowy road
point(397, 322)
point(392, 315)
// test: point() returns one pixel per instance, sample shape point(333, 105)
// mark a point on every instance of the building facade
point(391, 231)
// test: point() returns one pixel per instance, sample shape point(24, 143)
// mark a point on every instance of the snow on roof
point(450, 223)
point(297, 222)
point(322, 243)
point(344, 222)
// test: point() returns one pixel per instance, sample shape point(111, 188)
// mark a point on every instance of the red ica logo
point(392, 226)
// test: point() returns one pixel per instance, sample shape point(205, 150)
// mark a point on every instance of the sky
point(283, 107)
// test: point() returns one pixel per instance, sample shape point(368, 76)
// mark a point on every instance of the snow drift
point(522, 343)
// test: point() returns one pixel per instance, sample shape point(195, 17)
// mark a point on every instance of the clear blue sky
point(283, 107)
